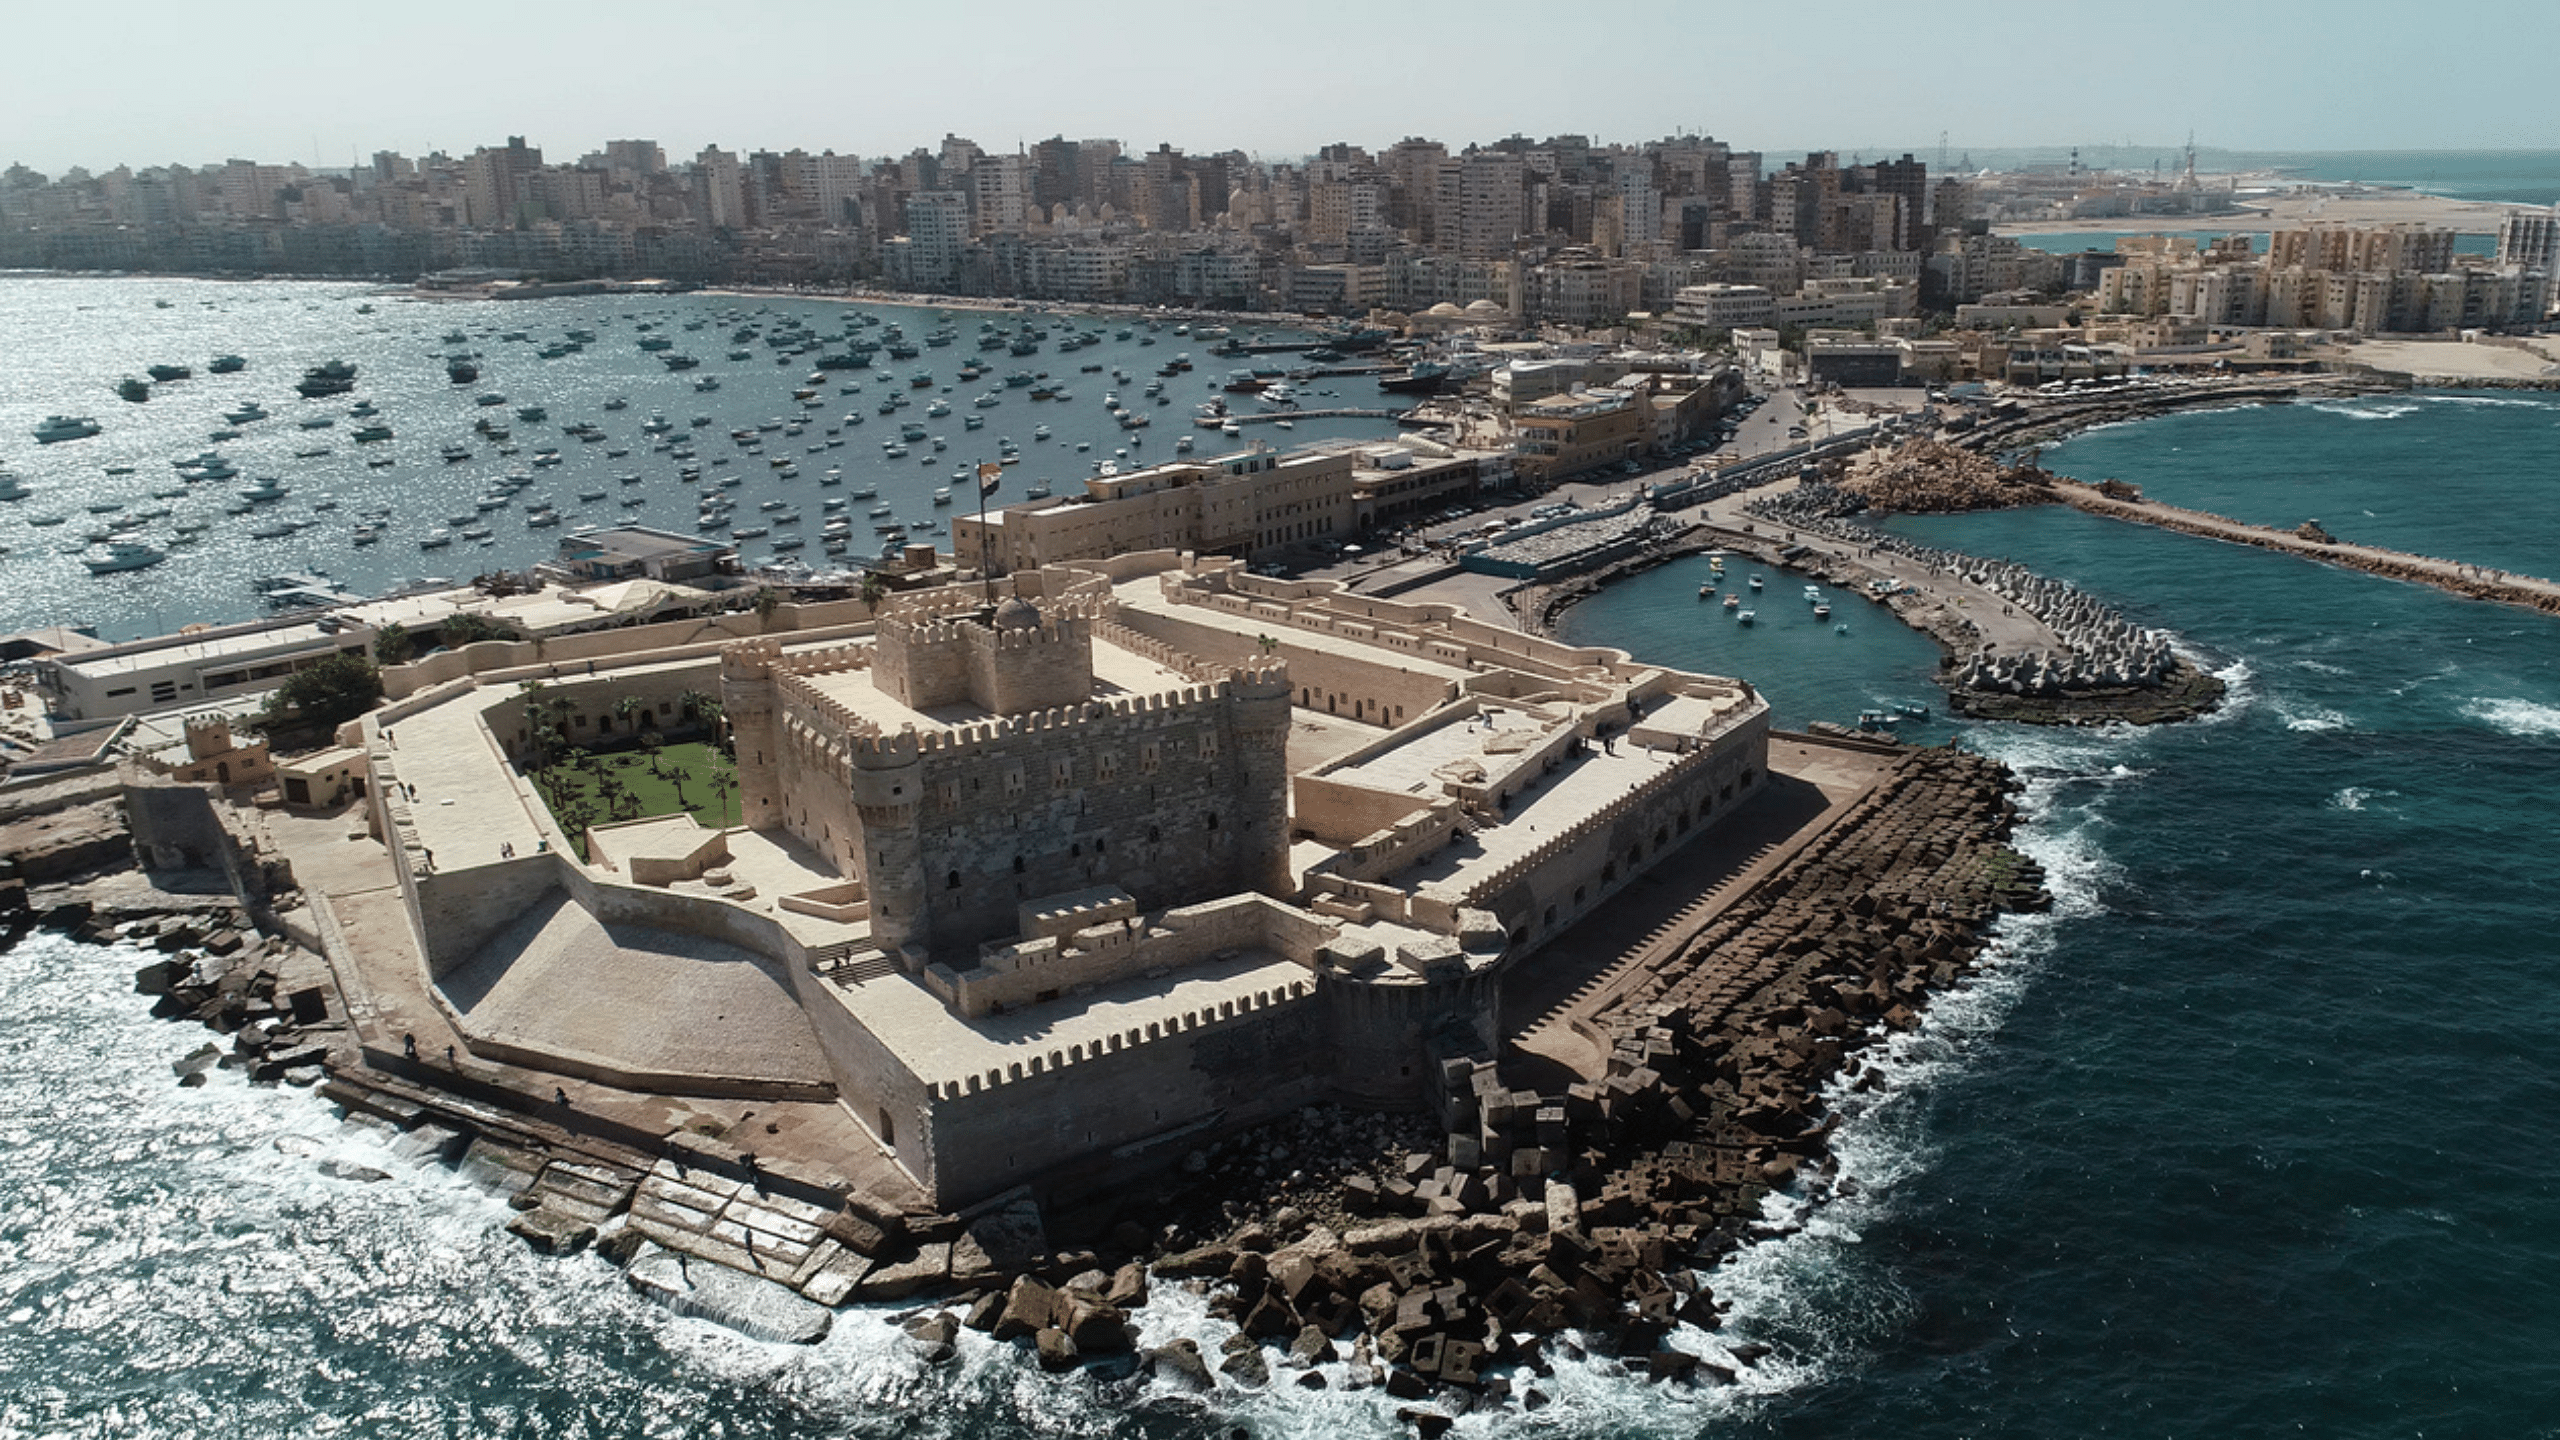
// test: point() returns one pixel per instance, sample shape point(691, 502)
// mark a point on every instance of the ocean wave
point(2365, 410)
point(2314, 719)
point(2322, 667)
point(2512, 401)
point(2514, 716)
point(2356, 797)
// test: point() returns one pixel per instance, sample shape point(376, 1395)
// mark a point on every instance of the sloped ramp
point(635, 1006)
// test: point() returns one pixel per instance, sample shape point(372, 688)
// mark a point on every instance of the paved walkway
point(347, 877)
point(1577, 975)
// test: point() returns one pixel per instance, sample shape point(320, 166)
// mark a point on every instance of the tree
point(767, 601)
point(704, 709)
point(630, 710)
point(874, 589)
point(328, 694)
point(470, 628)
point(724, 778)
point(393, 644)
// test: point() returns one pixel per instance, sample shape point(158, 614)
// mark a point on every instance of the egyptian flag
point(990, 475)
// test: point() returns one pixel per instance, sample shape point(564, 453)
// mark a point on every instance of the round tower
point(888, 788)
point(749, 702)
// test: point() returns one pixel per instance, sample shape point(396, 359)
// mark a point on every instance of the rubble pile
point(1931, 477)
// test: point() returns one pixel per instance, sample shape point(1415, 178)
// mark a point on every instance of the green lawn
point(678, 779)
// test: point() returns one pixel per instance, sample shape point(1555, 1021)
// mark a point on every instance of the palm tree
point(873, 590)
point(723, 779)
point(628, 709)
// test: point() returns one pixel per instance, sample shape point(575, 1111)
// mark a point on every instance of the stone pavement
point(687, 1010)
point(1811, 784)
point(347, 878)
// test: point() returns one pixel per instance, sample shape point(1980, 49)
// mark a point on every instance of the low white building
point(168, 672)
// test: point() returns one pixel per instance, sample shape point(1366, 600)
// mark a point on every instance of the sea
point(2520, 176)
point(71, 340)
point(2247, 1136)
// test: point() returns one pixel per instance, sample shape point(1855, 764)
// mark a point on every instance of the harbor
point(396, 471)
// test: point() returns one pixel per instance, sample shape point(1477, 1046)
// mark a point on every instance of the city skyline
point(246, 82)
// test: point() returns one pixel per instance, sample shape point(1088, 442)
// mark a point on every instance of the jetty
point(2472, 582)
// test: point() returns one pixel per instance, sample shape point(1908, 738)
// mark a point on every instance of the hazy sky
point(148, 82)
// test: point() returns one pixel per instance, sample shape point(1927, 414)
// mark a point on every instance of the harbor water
point(2245, 1137)
point(71, 340)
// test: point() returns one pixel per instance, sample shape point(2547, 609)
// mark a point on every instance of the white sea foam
point(2366, 410)
point(2353, 797)
point(2314, 719)
point(2525, 402)
point(2515, 716)
point(2321, 667)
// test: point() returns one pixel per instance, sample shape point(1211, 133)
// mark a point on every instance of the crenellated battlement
point(750, 660)
point(1121, 713)
point(1172, 1025)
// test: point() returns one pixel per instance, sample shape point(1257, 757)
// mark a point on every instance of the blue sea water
point(2248, 1136)
point(2516, 177)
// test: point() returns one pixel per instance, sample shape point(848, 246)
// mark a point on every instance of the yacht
point(123, 553)
point(13, 488)
point(227, 364)
point(264, 489)
point(57, 428)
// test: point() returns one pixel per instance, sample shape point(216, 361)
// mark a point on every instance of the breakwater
point(2472, 582)
point(2099, 667)
point(1602, 1205)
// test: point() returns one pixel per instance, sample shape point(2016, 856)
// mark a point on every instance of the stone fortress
point(1053, 878)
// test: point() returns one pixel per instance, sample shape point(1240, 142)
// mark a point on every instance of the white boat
point(264, 489)
point(123, 554)
point(1744, 616)
point(58, 428)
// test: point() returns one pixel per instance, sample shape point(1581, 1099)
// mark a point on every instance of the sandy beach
point(2349, 207)
point(2506, 360)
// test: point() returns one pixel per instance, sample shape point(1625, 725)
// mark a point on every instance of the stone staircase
point(853, 962)
point(729, 1222)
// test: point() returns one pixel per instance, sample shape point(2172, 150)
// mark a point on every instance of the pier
point(1212, 422)
point(2472, 582)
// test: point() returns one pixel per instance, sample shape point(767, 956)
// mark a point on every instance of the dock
point(1213, 422)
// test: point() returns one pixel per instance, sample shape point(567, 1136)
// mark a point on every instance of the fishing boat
point(1733, 602)
point(227, 365)
point(132, 390)
point(1744, 616)
point(336, 377)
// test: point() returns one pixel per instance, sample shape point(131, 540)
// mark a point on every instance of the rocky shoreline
point(1447, 1258)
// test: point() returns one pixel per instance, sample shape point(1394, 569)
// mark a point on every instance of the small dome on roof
point(1017, 614)
point(1485, 307)
point(1444, 308)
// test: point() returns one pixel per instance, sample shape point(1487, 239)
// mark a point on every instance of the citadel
point(1044, 878)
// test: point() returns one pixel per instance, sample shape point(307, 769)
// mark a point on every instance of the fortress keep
point(1060, 875)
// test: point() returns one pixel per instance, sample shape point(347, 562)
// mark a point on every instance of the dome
point(1485, 307)
point(1017, 614)
point(1444, 308)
